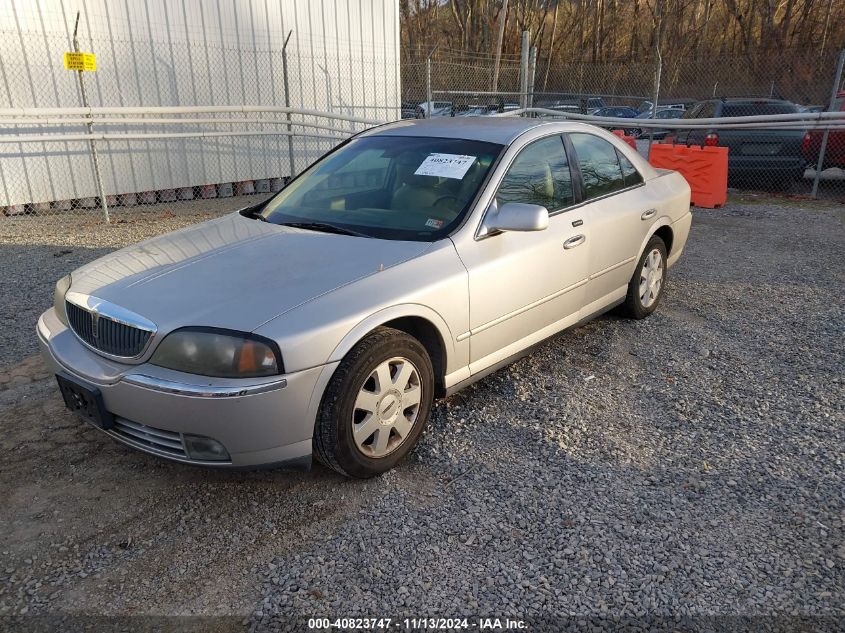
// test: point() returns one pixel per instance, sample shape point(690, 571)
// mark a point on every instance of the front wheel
point(376, 405)
point(646, 286)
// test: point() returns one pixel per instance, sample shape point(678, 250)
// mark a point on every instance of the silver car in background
point(410, 261)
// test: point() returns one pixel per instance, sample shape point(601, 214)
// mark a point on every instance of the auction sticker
point(445, 165)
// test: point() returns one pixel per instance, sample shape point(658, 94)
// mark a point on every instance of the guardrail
point(800, 121)
point(53, 128)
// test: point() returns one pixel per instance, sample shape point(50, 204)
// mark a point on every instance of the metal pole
point(429, 106)
point(532, 72)
point(287, 103)
point(657, 73)
point(499, 37)
point(837, 81)
point(90, 127)
point(523, 72)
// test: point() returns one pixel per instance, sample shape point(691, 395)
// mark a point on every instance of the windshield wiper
point(324, 227)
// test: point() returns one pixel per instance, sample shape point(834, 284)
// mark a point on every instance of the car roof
point(752, 100)
point(501, 130)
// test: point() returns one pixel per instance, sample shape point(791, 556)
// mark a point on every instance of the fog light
point(205, 449)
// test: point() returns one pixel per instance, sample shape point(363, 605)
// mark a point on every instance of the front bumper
point(260, 422)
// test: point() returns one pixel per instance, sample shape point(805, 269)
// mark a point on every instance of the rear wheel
point(376, 405)
point(646, 286)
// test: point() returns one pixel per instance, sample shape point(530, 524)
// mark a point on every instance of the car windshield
point(391, 187)
point(754, 109)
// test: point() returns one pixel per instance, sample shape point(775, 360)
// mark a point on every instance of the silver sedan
point(410, 261)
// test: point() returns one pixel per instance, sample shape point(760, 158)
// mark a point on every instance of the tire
point(356, 383)
point(635, 306)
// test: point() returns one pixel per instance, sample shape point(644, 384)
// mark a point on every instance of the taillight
point(711, 139)
point(805, 143)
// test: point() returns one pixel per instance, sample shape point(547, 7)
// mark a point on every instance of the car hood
point(234, 272)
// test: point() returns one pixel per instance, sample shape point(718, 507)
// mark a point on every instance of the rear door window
point(601, 171)
point(756, 109)
point(692, 113)
point(707, 111)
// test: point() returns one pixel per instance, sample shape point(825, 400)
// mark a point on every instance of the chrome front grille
point(149, 438)
point(105, 334)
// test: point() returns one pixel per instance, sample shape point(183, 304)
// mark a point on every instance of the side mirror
point(516, 216)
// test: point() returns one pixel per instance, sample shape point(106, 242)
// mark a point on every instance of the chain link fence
point(188, 105)
point(184, 105)
point(700, 101)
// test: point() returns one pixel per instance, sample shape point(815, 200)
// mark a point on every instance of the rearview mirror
point(517, 216)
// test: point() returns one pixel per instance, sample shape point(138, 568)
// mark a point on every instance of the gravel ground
point(688, 465)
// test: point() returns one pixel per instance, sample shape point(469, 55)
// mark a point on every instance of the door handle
point(572, 242)
point(648, 214)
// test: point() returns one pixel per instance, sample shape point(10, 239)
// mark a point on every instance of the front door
point(525, 286)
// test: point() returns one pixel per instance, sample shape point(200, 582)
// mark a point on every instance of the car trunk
point(761, 143)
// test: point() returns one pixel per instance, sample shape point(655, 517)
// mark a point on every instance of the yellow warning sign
point(80, 61)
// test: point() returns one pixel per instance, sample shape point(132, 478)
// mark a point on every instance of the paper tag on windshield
point(445, 165)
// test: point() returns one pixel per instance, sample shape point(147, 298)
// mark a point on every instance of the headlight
point(218, 353)
point(59, 293)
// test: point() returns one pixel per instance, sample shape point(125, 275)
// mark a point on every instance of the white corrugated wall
point(343, 56)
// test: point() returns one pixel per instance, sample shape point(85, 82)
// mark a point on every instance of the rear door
point(619, 212)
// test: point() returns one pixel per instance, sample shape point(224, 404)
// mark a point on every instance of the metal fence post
point(429, 106)
point(499, 37)
point(523, 72)
point(287, 103)
point(657, 72)
point(837, 81)
point(90, 127)
point(532, 72)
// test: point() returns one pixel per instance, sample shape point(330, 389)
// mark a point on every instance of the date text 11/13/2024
point(415, 624)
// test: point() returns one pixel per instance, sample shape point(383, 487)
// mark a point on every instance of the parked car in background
point(811, 108)
point(673, 104)
point(665, 113)
point(472, 110)
point(834, 155)
point(391, 272)
point(408, 110)
point(560, 105)
point(437, 108)
point(625, 112)
point(590, 104)
point(772, 157)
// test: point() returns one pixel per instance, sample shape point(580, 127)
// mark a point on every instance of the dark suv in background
point(772, 157)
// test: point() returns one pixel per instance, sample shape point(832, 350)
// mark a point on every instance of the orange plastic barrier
point(705, 169)
point(630, 140)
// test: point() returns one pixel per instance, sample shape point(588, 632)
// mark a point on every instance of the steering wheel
point(441, 198)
